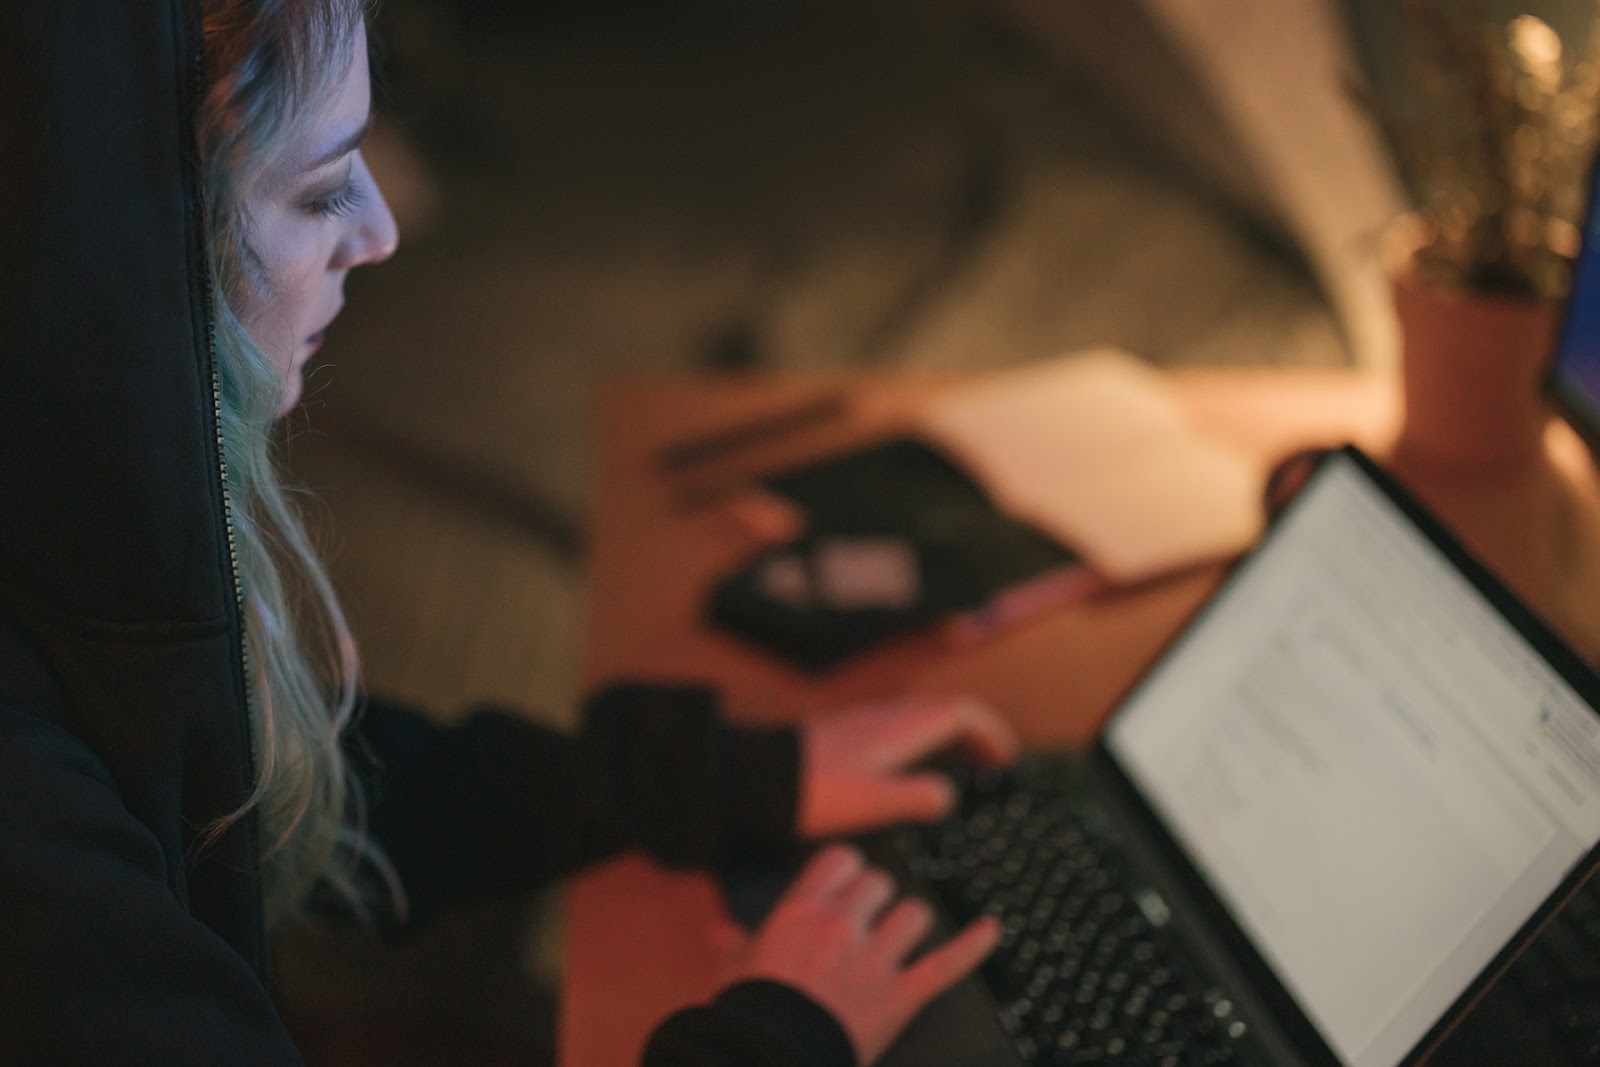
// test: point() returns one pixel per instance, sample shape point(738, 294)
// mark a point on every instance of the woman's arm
point(759, 1023)
point(499, 806)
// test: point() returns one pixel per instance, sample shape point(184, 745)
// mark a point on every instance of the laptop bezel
point(1287, 1013)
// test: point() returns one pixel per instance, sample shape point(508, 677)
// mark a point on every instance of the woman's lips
point(314, 342)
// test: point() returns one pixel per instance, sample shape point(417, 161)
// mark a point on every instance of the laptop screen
point(1376, 772)
point(1575, 372)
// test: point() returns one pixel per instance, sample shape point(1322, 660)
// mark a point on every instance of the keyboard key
point(1577, 1015)
point(1570, 953)
point(1536, 973)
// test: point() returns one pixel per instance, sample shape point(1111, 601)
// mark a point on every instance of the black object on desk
point(898, 536)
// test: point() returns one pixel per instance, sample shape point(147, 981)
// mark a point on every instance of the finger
point(949, 963)
point(864, 898)
point(913, 798)
point(923, 726)
point(984, 734)
point(907, 923)
point(826, 873)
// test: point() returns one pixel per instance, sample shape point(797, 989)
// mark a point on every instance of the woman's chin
point(291, 393)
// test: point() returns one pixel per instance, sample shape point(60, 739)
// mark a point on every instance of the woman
point(184, 194)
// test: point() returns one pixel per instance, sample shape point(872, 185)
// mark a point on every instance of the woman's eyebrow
point(343, 148)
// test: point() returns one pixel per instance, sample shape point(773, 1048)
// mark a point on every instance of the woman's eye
point(337, 204)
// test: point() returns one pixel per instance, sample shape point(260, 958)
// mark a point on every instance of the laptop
point(1323, 824)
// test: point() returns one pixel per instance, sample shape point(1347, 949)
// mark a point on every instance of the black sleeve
point(499, 805)
point(752, 1024)
point(102, 962)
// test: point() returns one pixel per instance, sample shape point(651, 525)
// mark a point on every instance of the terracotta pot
point(1472, 372)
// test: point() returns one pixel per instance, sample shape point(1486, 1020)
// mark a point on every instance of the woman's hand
point(854, 763)
point(834, 937)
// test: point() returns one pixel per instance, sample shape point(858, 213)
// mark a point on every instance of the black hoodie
point(124, 725)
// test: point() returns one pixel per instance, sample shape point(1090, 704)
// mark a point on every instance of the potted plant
point(1495, 144)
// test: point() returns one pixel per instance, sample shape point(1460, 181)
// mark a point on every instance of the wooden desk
point(637, 935)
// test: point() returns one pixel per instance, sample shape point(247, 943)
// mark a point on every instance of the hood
point(114, 560)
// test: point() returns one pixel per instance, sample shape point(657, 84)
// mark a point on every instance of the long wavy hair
point(268, 65)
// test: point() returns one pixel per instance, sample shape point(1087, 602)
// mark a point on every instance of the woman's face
point(315, 214)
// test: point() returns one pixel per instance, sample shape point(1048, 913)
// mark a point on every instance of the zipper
point(251, 700)
point(250, 824)
point(190, 33)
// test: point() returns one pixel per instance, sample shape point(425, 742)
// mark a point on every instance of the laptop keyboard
point(1085, 972)
point(1558, 978)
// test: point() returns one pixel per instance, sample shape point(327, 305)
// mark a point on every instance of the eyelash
point(338, 203)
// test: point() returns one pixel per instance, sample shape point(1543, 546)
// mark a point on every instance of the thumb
point(924, 797)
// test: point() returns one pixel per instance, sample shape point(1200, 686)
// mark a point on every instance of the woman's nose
point(374, 235)
point(383, 232)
